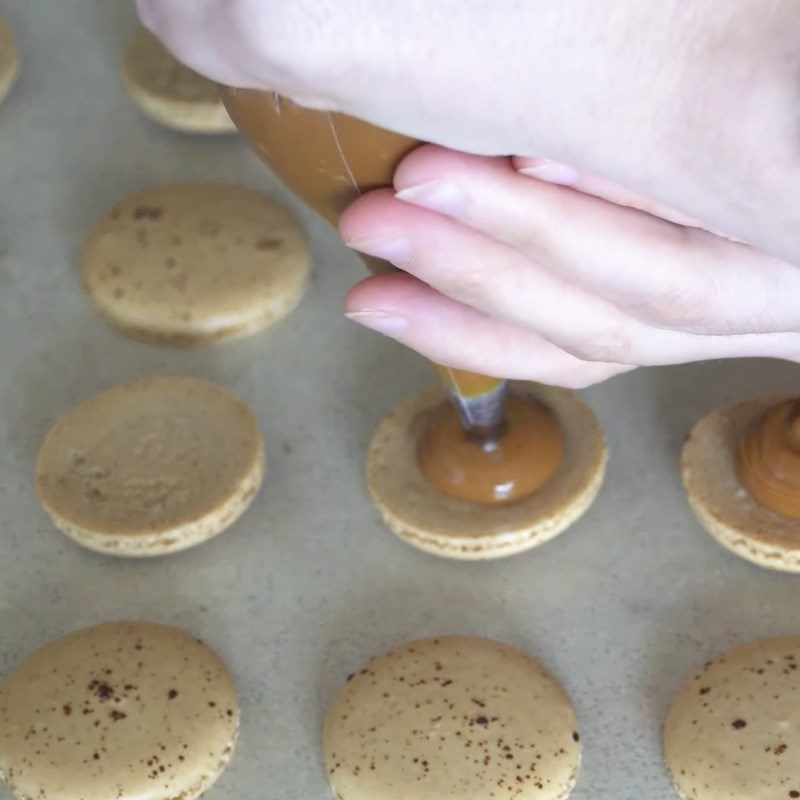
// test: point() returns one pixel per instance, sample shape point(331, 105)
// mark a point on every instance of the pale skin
point(645, 126)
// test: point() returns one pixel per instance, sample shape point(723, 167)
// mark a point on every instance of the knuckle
point(683, 307)
point(612, 345)
point(471, 285)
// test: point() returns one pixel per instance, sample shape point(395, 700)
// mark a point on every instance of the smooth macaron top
point(119, 711)
point(453, 717)
point(195, 261)
point(148, 457)
point(733, 731)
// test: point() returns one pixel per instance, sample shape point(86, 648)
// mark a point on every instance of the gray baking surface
point(309, 584)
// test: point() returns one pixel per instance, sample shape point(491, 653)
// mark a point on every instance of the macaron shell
point(188, 263)
point(119, 711)
point(453, 528)
point(719, 500)
point(159, 460)
point(9, 60)
point(169, 92)
point(452, 717)
point(733, 731)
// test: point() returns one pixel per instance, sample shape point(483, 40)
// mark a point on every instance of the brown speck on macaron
point(401, 714)
point(76, 728)
point(148, 212)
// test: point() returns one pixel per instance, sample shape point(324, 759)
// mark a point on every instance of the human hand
point(515, 277)
point(695, 104)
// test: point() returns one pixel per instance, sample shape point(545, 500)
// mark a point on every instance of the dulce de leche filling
point(329, 160)
point(768, 460)
point(521, 461)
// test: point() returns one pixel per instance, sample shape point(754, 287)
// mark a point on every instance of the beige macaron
point(169, 92)
point(151, 467)
point(447, 526)
point(733, 731)
point(9, 60)
point(119, 711)
point(724, 507)
point(189, 263)
point(453, 717)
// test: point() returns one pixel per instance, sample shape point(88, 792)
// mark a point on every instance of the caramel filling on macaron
point(522, 460)
point(329, 160)
point(768, 460)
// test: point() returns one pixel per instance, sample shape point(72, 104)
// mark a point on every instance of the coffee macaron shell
point(721, 503)
point(453, 717)
point(9, 60)
point(151, 467)
point(195, 262)
point(119, 711)
point(446, 526)
point(170, 93)
point(733, 731)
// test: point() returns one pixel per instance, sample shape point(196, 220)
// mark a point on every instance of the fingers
point(493, 278)
point(659, 272)
point(502, 283)
point(453, 334)
point(552, 172)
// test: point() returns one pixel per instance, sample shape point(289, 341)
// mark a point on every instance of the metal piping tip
point(479, 400)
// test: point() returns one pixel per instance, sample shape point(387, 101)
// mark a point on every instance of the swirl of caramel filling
point(768, 459)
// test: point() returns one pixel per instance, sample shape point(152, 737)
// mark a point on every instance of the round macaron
point(445, 526)
point(120, 711)
point(724, 507)
point(733, 731)
point(169, 92)
point(151, 467)
point(9, 60)
point(188, 263)
point(454, 717)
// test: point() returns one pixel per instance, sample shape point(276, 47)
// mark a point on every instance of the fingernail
point(395, 250)
point(380, 321)
point(444, 197)
point(551, 172)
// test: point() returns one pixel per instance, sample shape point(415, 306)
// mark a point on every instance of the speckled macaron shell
point(9, 60)
point(454, 717)
point(446, 526)
point(169, 92)
point(119, 711)
point(733, 731)
point(189, 263)
point(151, 467)
point(719, 500)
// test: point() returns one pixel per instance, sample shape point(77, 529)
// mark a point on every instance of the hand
point(693, 103)
point(512, 276)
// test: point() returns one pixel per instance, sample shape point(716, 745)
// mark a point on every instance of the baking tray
point(309, 584)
